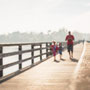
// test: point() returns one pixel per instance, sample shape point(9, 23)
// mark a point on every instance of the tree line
point(32, 37)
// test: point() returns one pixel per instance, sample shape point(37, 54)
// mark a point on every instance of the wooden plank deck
point(48, 75)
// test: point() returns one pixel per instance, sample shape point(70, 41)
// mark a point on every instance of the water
point(14, 58)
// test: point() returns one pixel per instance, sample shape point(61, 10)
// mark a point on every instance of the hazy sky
point(44, 15)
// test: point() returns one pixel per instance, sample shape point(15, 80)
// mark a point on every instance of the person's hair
point(54, 42)
point(60, 43)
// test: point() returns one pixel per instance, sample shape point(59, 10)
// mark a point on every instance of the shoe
point(54, 60)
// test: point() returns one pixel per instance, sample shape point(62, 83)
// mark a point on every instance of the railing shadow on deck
point(45, 46)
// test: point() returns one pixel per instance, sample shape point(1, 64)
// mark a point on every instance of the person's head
point(60, 44)
point(54, 42)
point(69, 33)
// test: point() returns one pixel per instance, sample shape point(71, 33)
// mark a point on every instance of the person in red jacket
point(54, 48)
point(69, 39)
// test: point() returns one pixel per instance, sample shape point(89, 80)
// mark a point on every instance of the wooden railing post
point(1, 61)
point(46, 49)
point(50, 49)
point(20, 57)
point(32, 54)
point(40, 52)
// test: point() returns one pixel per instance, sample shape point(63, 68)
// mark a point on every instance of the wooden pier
point(48, 75)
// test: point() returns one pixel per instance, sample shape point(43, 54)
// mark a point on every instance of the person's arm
point(73, 38)
point(57, 48)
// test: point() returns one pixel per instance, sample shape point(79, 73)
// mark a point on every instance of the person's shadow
point(74, 59)
point(56, 61)
point(62, 59)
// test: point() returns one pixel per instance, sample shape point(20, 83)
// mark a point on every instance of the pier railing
point(33, 51)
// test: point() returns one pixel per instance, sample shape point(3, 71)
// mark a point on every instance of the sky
point(44, 15)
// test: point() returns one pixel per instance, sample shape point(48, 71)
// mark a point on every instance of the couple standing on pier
point(69, 38)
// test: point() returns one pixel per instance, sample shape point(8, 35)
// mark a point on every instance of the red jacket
point(54, 48)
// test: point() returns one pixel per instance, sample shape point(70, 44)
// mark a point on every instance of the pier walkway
point(48, 75)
